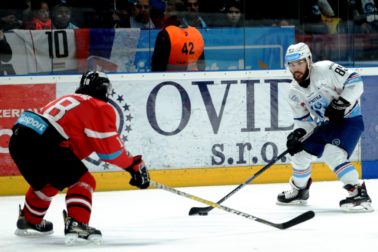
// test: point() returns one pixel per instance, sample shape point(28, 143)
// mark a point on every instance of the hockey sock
point(37, 203)
point(301, 177)
point(79, 198)
point(337, 159)
point(347, 173)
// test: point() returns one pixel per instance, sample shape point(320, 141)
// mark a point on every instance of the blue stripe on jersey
point(355, 111)
point(33, 122)
point(110, 156)
point(353, 79)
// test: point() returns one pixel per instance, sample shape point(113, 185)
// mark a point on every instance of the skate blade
point(293, 203)
point(95, 239)
point(74, 239)
point(31, 233)
point(364, 207)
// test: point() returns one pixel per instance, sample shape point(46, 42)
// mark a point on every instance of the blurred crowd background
point(310, 16)
point(339, 30)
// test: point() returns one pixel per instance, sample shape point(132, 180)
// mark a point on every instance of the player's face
point(298, 69)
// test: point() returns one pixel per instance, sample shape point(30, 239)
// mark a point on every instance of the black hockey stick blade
point(200, 210)
point(205, 210)
point(297, 220)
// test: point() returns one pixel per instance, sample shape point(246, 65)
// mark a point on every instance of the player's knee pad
point(87, 180)
point(334, 155)
point(43, 195)
point(84, 187)
point(47, 192)
point(301, 160)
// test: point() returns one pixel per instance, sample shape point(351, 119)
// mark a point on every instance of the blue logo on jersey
point(318, 105)
point(33, 121)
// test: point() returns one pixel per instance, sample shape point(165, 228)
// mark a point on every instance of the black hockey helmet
point(95, 84)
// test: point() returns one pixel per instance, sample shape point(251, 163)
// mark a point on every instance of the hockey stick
point(297, 220)
point(205, 210)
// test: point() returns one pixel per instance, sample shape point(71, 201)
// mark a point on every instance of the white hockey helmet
point(297, 52)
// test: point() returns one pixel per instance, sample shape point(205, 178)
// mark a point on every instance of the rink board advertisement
point(14, 99)
point(203, 128)
point(369, 139)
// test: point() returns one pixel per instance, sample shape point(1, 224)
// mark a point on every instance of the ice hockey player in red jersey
point(48, 148)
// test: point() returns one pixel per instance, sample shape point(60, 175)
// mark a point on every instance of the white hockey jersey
point(328, 80)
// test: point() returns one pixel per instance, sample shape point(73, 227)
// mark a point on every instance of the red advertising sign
point(14, 99)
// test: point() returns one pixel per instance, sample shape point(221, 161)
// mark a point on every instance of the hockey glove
point(139, 174)
point(294, 144)
point(336, 109)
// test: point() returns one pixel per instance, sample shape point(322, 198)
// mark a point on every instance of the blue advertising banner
point(370, 136)
point(249, 49)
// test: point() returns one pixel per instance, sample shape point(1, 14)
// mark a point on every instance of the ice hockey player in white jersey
point(326, 95)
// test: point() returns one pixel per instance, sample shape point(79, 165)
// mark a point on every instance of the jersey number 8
point(59, 109)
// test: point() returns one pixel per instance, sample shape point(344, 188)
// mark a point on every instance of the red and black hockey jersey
point(89, 125)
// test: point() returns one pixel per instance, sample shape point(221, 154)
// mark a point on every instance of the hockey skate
point(25, 228)
point(358, 200)
point(295, 196)
point(76, 232)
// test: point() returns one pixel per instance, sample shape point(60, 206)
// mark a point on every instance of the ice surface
point(156, 220)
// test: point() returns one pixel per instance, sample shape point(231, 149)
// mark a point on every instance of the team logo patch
point(336, 142)
point(124, 123)
point(33, 122)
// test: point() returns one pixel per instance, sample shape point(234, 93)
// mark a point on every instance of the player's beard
point(300, 76)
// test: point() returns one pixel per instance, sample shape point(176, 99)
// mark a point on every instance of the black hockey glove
point(139, 174)
point(336, 109)
point(294, 144)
